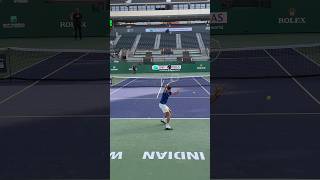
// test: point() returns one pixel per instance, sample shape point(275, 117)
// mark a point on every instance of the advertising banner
point(286, 16)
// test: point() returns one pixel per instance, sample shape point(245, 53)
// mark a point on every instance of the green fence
point(283, 16)
point(37, 18)
point(125, 68)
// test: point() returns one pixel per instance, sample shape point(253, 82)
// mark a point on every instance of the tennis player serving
point(167, 113)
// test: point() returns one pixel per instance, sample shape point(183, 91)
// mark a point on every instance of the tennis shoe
point(168, 127)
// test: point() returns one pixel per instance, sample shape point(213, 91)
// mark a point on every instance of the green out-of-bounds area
point(142, 150)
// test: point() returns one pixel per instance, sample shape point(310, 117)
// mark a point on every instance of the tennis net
point(53, 64)
point(160, 81)
point(267, 62)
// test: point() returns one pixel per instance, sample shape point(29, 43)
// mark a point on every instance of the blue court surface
point(139, 98)
point(268, 126)
point(51, 128)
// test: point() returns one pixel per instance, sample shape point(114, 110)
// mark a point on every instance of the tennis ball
point(268, 98)
point(193, 92)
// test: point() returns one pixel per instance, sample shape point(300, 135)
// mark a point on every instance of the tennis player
point(77, 22)
point(163, 106)
point(134, 69)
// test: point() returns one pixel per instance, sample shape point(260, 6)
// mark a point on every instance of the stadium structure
point(155, 43)
point(160, 30)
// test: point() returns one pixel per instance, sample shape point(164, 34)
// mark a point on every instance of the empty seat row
point(147, 40)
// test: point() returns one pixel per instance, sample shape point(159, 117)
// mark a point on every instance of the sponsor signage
point(165, 68)
point(165, 155)
point(13, 23)
point(292, 18)
point(186, 29)
point(114, 68)
point(218, 20)
point(69, 24)
point(201, 67)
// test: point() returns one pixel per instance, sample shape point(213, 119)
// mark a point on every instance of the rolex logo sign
point(69, 24)
point(292, 18)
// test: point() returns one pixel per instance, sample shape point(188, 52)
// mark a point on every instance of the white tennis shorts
point(164, 108)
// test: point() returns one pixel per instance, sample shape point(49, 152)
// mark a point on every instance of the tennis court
point(268, 115)
point(137, 130)
point(140, 97)
point(51, 114)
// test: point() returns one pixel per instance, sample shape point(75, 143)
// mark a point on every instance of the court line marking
point(201, 86)
point(53, 116)
point(177, 97)
point(44, 77)
point(205, 79)
point(264, 114)
point(161, 84)
point(294, 79)
point(307, 57)
point(31, 65)
point(107, 116)
point(113, 119)
point(116, 90)
point(241, 58)
point(114, 85)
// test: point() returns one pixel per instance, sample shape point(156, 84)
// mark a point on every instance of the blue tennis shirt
point(165, 97)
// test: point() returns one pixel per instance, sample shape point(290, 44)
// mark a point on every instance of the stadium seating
point(168, 40)
point(126, 41)
point(112, 37)
point(147, 41)
point(206, 39)
point(189, 40)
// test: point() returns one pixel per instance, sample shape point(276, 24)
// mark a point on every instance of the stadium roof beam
point(163, 15)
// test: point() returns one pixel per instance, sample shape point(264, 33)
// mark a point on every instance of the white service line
point(294, 79)
point(36, 82)
point(201, 86)
point(116, 90)
point(160, 88)
point(53, 116)
point(177, 97)
point(113, 119)
point(240, 58)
